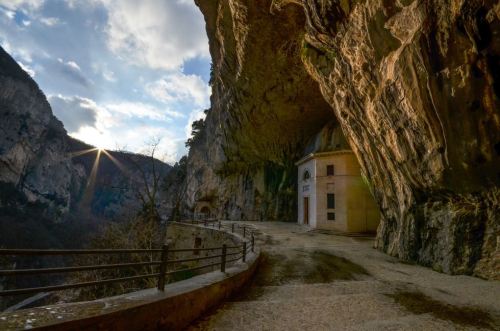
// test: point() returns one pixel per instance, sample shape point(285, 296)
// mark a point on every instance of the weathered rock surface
point(33, 142)
point(415, 86)
point(265, 107)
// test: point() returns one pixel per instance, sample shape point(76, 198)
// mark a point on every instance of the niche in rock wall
point(197, 244)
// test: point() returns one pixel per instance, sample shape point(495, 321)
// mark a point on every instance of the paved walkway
point(312, 281)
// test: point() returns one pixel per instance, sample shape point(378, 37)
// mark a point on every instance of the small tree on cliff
point(197, 132)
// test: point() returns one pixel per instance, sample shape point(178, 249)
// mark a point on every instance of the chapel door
point(306, 210)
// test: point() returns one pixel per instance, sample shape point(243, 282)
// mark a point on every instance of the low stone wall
point(176, 307)
point(182, 236)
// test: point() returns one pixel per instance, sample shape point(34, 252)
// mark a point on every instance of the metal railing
point(227, 255)
point(233, 228)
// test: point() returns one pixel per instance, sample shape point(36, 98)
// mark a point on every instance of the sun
point(99, 147)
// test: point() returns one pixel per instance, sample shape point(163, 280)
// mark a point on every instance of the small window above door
point(330, 170)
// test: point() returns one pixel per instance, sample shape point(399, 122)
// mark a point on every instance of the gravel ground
point(316, 281)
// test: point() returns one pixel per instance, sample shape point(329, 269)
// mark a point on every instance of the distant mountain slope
point(115, 191)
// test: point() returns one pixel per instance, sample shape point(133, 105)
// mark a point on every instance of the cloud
point(180, 87)
point(21, 4)
point(75, 112)
point(137, 110)
point(72, 64)
point(18, 53)
point(73, 71)
point(27, 68)
point(49, 21)
point(109, 75)
point(154, 32)
point(194, 116)
point(10, 14)
point(117, 125)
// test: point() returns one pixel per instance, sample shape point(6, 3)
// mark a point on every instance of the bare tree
point(175, 185)
point(149, 194)
point(150, 174)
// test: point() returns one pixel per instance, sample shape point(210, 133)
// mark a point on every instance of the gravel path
point(314, 281)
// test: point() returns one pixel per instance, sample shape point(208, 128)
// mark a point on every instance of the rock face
point(33, 142)
point(264, 108)
point(415, 86)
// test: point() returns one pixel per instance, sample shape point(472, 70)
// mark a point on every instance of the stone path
point(312, 281)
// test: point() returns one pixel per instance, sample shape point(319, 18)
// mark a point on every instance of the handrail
point(73, 251)
point(160, 273)
point(16, 272)
point(75, 285)
point(38, 252)
point(194, 259)
point(194, 249)
point(193, 269)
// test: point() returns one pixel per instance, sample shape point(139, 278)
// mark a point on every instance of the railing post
point(244, 251)
point(232, 227)
point(223, 259)
point(253, 243)
point(219, 225)
point(244, 231)
point(163, 267)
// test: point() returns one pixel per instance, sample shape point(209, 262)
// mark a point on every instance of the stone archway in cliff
point(203, 210)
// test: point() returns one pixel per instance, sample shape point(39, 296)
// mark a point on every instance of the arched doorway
point(205, 212)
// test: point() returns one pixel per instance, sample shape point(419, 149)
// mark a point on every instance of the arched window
point(306, 175)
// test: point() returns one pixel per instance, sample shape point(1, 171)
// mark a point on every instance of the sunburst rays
point(88, 193)
point(83, 152)
point(116, 162)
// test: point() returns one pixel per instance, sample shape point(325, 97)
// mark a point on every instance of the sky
point(116, 72)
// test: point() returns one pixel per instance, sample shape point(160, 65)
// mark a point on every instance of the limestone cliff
point(33, 142)
point(265, 107)
point(415, 86)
